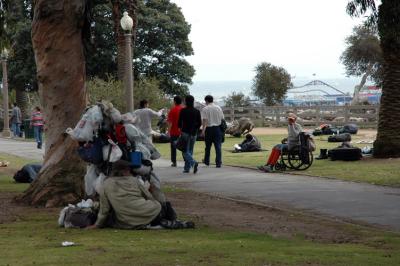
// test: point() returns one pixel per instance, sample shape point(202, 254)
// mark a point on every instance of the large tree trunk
point(57, 43)
point(22, 102)
point(387, 143)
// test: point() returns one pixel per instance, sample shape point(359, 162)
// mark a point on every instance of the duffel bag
point(345, 154)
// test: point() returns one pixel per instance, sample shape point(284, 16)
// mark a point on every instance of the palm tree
point(387, 17)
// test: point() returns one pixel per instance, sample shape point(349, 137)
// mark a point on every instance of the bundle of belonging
point(349, 128)
point(27, 173)
point(340, 138)
point(105, 136)
point(79, 216)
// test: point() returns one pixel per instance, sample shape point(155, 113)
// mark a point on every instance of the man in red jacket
point(174, 131)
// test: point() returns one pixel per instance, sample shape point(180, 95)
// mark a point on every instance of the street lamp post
point(127, 25)
point(6, 128)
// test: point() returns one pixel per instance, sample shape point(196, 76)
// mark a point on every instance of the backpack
point(92, 151)
point(120, 134)
point(345, 154)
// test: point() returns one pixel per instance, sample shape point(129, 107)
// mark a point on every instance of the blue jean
point(188, 154)
point(16, 129)
point(37, 131)
point(213, 135)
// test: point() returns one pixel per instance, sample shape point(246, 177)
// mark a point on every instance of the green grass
point(369, 170)
point(35, 239)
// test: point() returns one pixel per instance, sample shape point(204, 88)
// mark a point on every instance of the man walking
point(145, 115)
point(16, 119)
point(189, 123)
point(174, 131)
point(212, 116)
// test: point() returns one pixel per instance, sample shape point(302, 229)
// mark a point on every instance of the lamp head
point(126, 22)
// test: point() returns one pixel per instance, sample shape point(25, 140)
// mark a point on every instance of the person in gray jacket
point(289, 143)
point(16, 120)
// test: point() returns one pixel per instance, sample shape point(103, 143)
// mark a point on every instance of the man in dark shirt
point(189, 124)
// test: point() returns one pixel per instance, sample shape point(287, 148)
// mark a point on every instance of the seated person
point(251, 143)
point(291, 142)
point(126, 203)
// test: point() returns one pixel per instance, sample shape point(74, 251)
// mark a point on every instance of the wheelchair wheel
point(296, 163)
point(280, 166)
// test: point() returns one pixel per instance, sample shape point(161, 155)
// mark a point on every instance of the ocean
point(220, 89)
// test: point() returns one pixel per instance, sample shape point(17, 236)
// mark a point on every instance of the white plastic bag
point(130, 119)
point(89, 122)
point(115, 153)
point(99, 182)
point(90, 178)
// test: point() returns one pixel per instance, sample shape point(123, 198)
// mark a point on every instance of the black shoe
point(208, 164)
point(218, 166)
point(266, 168)
point(173, 165)
point(195, 167)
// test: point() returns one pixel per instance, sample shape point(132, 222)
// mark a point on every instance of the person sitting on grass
point(291, 142)
point(126, 203)
point(251, 143)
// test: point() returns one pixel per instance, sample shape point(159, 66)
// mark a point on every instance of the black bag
point(340, 138)
point(223, 128)
point(22, 176)
point(79, 217)
point(345, 154)
point(181, 143)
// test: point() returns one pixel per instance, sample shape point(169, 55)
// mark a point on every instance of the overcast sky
point(230, 37)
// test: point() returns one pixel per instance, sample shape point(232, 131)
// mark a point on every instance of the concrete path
point(346, 200)
point(21, 148)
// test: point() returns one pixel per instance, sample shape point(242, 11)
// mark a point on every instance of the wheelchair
point(298, 158)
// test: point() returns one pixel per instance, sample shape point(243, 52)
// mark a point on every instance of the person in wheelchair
point(289, 143)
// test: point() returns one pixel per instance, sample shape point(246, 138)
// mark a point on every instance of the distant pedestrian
point(174, 131)
point(189, 124)
point(16, 119)
point(37, 122)
point(212, 116)
point(145, 115)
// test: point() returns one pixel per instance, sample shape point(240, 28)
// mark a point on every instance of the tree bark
point(57, 43)
point(357, 89)
point(22, 102)
point(387, 142)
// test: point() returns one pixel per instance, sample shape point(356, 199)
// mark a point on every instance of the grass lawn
point(369, 170)
point(34, 238)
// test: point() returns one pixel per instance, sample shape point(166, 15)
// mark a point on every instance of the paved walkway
point(345, 200)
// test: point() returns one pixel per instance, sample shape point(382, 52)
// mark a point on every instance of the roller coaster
point(316, 83)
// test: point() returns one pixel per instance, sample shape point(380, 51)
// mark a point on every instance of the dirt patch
point(223, 214)
point(9, 211)
point(231, 215)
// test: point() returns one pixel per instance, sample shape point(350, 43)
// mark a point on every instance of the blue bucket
point(136, 159)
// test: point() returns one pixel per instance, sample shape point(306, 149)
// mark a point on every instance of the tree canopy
point(363, 54)
point(161, 44)
point(271, 83)
point(237, 99)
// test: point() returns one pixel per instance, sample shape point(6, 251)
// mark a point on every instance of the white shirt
point(146, 115)
point(213, 114)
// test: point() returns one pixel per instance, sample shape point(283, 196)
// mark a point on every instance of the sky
point(230, 37)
